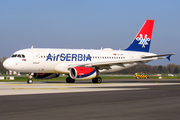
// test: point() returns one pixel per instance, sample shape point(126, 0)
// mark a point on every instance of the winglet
point(168, 57)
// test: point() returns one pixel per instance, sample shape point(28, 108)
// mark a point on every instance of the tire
point(70, 80)
point(94, 80)
point(97, 80)
point(30, 81)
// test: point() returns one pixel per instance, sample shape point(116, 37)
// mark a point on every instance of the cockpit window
point(18, 56)
point(13, 55)
point(23, 56)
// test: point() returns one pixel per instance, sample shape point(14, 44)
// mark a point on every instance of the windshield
point(18, 56)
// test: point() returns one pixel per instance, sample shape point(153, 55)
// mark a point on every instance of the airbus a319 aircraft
point(45, 63)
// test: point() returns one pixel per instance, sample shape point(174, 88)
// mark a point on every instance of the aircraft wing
point(107, 64)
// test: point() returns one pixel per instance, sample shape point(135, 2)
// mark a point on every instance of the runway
point(113, 99)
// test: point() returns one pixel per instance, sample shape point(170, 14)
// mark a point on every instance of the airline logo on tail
point(143, 38)
point(144, 41)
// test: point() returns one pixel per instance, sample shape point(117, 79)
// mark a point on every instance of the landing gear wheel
point(94, 80)
point(70, 80)
point(97, 80)
point(30, 81)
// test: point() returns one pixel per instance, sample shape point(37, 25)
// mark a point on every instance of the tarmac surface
point(110, 100)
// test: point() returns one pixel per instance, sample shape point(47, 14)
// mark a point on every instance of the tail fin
point(143, 38)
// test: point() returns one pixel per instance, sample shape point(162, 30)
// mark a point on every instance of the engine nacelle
point(45, 75)
point(83, 73)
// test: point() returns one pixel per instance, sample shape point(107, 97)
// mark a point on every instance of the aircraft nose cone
point(7, 64)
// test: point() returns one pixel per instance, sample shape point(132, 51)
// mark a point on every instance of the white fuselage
point(60, 60)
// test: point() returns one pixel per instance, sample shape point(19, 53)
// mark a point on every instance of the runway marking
point(94, 84)
point(48, 84)
point(43, 88)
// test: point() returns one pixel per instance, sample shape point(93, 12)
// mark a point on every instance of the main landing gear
point(70, 80)
point(97, 80)
point(94, 80)
point(30, 81)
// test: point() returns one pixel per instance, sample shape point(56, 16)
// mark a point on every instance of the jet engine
point(83, 73)
point(45, 75)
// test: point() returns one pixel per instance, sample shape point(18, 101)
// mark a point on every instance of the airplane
point(46, 63)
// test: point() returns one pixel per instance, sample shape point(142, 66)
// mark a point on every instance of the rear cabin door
point(131, 56)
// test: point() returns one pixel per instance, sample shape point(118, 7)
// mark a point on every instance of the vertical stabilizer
point(143, 38)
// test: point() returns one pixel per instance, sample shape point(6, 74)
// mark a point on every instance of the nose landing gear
point(30, 81)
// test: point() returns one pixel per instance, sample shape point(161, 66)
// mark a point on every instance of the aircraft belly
point(37, 68)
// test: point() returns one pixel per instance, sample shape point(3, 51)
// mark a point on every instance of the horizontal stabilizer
point(168, 56)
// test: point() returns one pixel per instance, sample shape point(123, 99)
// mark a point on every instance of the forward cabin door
point(35, 57)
